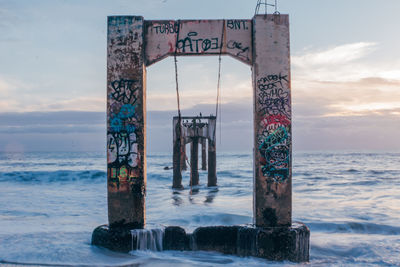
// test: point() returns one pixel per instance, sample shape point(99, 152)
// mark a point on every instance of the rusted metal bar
point(272, 121)
point(126, 125)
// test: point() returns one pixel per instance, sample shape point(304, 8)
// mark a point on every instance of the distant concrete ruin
point(194, 130)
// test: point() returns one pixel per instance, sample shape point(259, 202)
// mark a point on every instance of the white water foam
point(148, 239)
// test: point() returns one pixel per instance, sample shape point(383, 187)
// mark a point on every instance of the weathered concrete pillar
point(177, 154)
point(194, 161)
point(183, 156)
point(212, 154)
point(272, 121)
point(203, 154)
point(212, 163)
point(126, 125)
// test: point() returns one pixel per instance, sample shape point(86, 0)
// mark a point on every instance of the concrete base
point(274, 243)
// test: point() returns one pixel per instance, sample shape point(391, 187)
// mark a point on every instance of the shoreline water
point(53, 201)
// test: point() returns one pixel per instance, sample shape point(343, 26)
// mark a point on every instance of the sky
point(345, 64)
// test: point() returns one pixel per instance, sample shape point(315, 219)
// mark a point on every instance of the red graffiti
point(171, 47)
point(275, 119)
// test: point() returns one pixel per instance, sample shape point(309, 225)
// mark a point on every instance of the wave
point(52, 176)
point(208, 219)
point(234, 174)
point(354, 227)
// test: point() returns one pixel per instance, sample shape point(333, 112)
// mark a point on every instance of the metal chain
point(218, 105)
point(176, 72)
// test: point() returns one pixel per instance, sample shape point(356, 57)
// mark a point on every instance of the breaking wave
point(52, 176)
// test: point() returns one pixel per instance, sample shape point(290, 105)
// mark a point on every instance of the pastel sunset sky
point(345, 59)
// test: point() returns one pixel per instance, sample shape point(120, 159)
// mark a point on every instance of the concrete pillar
point(183, 156)
point(177, 154)
point(194, 161)
point(203, 154)
point(126, 124)
point(272, 121)
point(212, 163)
point(212, 155)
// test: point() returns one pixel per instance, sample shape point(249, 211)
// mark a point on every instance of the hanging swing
point(218, 100)
point(197, 123)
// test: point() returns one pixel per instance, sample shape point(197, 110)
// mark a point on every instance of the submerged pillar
point(183, 155)
point(272, 121)
point(126, 122)
point(212, 164)
point(194, 161)
point(177, 154)
point(212, 152)
point(203, 154)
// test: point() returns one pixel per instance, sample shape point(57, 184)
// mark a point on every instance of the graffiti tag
point(124, 91)
point(192, 44)
point(275, 153)
point(166, 28)
point(237, 24)
point(273, 99)
point(244, 51)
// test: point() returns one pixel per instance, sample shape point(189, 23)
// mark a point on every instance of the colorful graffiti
point(275, 120)
point(122, 147)
point(274, 138)
point(275, 153)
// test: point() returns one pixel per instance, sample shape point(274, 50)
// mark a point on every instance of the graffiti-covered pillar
point(126, 142)
point(272, 121)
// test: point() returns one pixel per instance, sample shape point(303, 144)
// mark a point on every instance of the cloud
point(48, 120)
point(342, 81)
point(86, 131)
point(52, 131)
point(368, 132)
point(80, 130)
point(22, 96)
point(315, 98)
point(84, 103)
point(197, 78)
point(7, 85)
point(341, 54)
point(340, 63)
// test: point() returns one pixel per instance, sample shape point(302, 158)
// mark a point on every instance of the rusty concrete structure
point(262, 43)
point(272, 243)
point(194, 130)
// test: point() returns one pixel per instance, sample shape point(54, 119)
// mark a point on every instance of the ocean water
point(51, 202)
